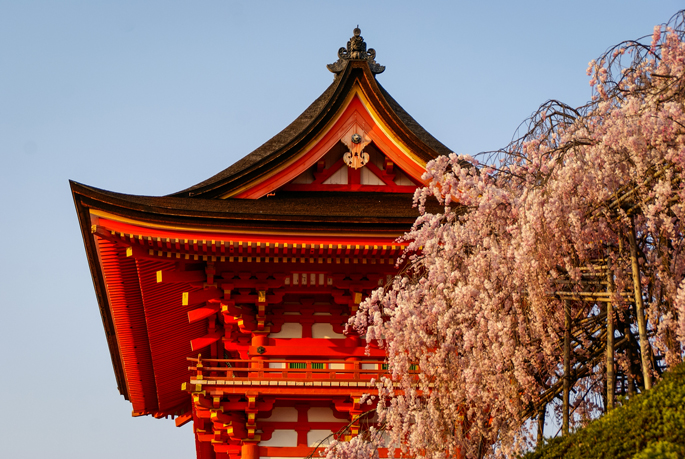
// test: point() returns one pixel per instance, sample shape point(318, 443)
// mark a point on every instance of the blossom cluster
point(476, 308)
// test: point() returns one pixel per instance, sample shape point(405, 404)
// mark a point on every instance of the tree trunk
point(541, 423)
point(611, 373)
point(567, 366)
point(629, 355)
point(672, 343)
point(639, 307)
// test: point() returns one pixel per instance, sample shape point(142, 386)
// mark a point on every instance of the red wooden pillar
point(204, 450)
point(249, 450)
point(302, 421)
point(258, 339)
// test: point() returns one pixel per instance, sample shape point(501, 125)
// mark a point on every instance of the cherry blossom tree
point(560, 268)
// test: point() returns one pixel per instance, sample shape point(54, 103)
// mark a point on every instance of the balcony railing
point(289, 372)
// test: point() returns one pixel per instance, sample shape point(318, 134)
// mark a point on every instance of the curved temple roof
point(220, 207)
point(292, 140)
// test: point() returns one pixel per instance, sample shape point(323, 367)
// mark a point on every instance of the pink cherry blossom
point(477, 306)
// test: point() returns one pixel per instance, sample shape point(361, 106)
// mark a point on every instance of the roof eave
point(217, 214)
point(100, 289)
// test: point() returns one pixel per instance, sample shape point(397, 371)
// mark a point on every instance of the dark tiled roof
point(414, 126)
point(277, 142)
point(293, 138)
point(353, 211)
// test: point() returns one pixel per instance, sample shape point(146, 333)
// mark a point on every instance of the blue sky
point(149, 97)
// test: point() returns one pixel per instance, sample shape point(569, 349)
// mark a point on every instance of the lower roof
point(361, 216)
point(353, 211)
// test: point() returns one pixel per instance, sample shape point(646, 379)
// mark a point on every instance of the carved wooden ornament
point(356, 139)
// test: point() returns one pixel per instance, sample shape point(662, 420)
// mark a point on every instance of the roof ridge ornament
point(356, 50)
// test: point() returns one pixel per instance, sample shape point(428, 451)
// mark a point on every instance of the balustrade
point(288, 372)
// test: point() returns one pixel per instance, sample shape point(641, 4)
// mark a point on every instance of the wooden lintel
point(210, 338)
point(171, 277)
point(184, 250)
point(183, 419)
point(200, 296)
point(202, 313)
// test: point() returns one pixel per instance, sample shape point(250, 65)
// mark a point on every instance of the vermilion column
point(249, 450)
point(258, 339)
point(205, 450)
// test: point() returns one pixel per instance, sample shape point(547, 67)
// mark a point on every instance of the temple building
point(225, 304)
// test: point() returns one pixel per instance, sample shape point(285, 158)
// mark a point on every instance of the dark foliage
point(651, 425)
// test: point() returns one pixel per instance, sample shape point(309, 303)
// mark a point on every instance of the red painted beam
point(183, 419)
point(211, 338)
point(169, 277)
point(319, 351)
point(200, 296)
point(107, 226)
point(350, 187)
point(202, 313)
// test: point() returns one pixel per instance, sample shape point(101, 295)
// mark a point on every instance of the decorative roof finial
point(356, 50)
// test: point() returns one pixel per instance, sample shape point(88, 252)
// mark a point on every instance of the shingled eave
point(293, 139)
point(354, 212)
point(100, 290)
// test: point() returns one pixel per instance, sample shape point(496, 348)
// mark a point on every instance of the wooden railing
point(287, 372)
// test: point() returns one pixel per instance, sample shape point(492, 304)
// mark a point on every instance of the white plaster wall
point(334, 154)
point(288, 330)
point(282, 414)
point(281, 438)
point(322, 414)
point(401, 178)
point(305, 177)
point(315, 436)
point(369, 178)
point(377, 158)
point(339, 177)
point(325, 331)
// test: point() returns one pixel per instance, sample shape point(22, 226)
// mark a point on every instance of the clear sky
point(149, 97)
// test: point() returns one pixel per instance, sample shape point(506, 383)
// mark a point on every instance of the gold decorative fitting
point(356, 140)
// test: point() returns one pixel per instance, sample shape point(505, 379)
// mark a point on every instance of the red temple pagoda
point(225, 304)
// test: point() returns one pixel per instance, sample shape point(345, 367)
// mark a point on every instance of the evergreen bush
point(651, 425)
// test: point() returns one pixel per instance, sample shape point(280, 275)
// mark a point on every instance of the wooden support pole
point(639, 307)
point(567, 366)
point(611, 373)
point(249, 450)
point(542, 411)
point(629, 356)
